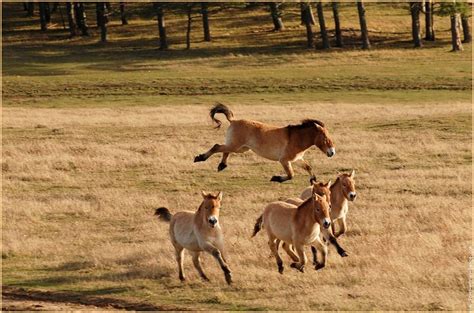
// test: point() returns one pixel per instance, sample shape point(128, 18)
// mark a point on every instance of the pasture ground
point(96, 136)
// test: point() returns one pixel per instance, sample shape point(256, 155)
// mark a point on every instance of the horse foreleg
point(330, 237)
point(289, 172)
point(307, 167)
point(302, 258)
point(216, 253)
point(342, 226)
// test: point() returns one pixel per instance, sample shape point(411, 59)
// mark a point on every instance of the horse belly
point(278, 222)
point(266, 151)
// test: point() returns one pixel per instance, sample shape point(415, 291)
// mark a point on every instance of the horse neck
point(198, 216)
point(305, 212)
point(303, 138)
point(337, 195)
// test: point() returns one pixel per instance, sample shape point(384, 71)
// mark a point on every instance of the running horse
point(286, 144)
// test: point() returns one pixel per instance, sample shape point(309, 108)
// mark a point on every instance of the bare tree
point(363, 25)
point(322, 26)
point(70, 19)
point(466, 28)
point(335, 12)
point(81, 18)
point(276, 16)
point(456, 31)
point(429, 29)
point(42, 13)
point(123, 15)
point(306, 18)
point(102, 20)
point(415, 8)
point(161, 25)
point(205, 21)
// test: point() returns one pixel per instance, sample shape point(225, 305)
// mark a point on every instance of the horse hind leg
point(223, 163)
point(179, 259)
point(274, 248)
point(290, 252)
point(197, 265)
point(289, 173)
point(318, 245)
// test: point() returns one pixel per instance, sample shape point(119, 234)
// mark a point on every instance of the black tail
point(163, 214)
point(221, 108)
point(258, 225)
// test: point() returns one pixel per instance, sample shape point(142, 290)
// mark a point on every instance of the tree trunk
point(306, 18)
point(322, 26)
point(188, 29)
point(415, 8)
point(205, 21)
point(455, 32)
point(311, 15)
point(42, 13)
point(429, 30)
point(102, 20)
point(123, 16)
point(161, 25)
point(276, 16)
point(70, 19)
point(31, 8)
point(335, 12)
point(47, 12)
point(81, 18)
point(466, 29)
point(363, 25)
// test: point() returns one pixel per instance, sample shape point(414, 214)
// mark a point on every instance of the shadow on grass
point(84, 298)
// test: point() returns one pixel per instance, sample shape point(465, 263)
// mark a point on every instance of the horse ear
point(352, 174)
point(219, 196)
point(204, 194)
point(328, 184)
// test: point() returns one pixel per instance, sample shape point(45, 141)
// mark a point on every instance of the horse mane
point(306, 123)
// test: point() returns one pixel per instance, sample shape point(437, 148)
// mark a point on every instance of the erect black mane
point(307, 123)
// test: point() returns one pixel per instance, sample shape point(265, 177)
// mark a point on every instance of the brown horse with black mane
point(284, 144)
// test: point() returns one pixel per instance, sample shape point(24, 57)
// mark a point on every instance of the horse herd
point(309, 220)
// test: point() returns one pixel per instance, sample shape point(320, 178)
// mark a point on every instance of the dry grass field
point(93, 141)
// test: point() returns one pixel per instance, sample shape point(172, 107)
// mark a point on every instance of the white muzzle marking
point(212, 221)
point(331, 152)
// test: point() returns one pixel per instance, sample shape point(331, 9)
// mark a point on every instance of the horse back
point(278, 218)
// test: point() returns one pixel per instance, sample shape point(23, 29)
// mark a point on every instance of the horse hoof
point(199, 158)
point(299, 268)
point(277, 179)
point(318, 266)
point(221, 167)
point(280, 269)
point(204, 278)
point(343, 253)
point(182, 278)
point(313, 180)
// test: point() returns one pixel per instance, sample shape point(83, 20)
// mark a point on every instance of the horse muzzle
point(352, 196)
point(331, 152)
point(326, 223)
point(212, 221)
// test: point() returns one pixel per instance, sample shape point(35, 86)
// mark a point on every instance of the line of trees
point(458, 12)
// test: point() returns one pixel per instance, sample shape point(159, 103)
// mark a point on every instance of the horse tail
point(221, 108)
point(258, 225)
point(163, 214)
